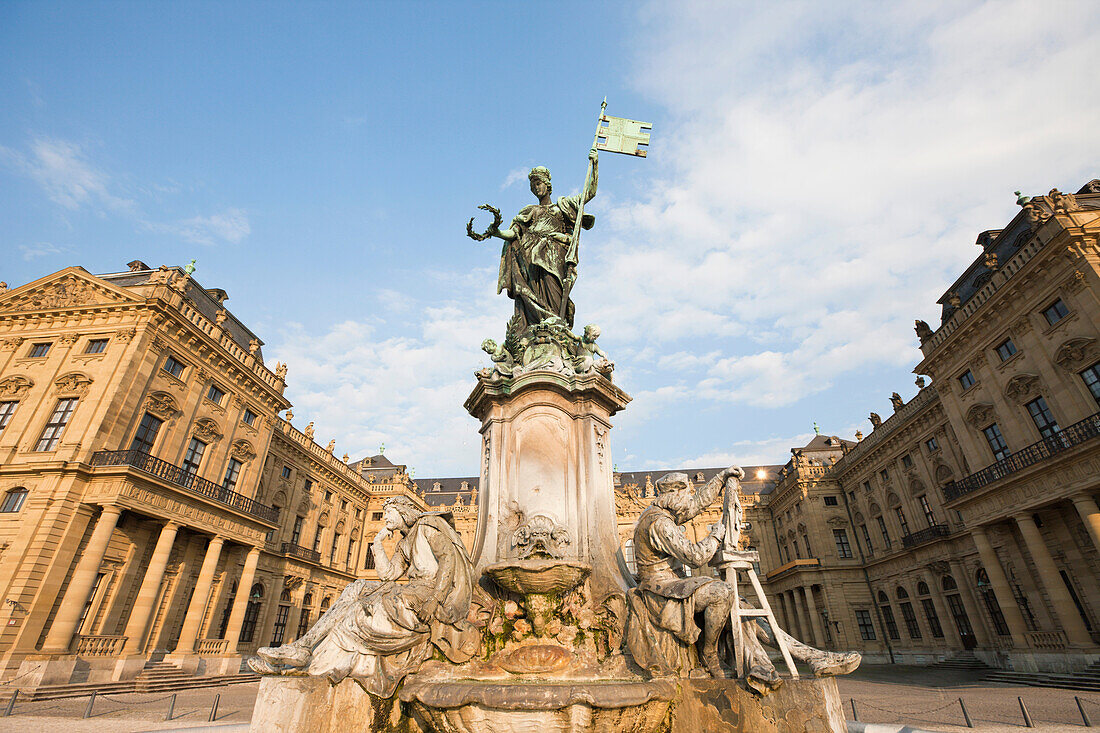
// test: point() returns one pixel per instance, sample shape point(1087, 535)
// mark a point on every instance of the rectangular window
point(303, 623)
point(328, 497)
point(249, 417)
point(351, 551)
point(51, 434)
point(966, 379)
point(1006, 349)
point(193, 458)
point(806, 541)
point(884, 475)
point(1055, 312)
point(317, 541)
point(251, 615)
point(13, 500)
point(232, 473)
point(843, 549)
point(926, 507)
point(1092, 381)
point(279, 630)
point(376, 516)
point(885, 532)
point(891, 622)
point(343, 505)
point(7, 409)
point(308, 485)
point(215, 394)
point(866, 628)
point(932, 445)
point(146, 434)
point(831, 501)
point(332, 549)
point(96, 346)
point(173, 367)
point(1042, 417)
point(932, 618)
point(39, 351)
point(910, 619)
point(296, 533)
point(996, 442)
point(902, 521)
point(867, 539)
point(286, 471)
point(907, 461)
point(867, 486)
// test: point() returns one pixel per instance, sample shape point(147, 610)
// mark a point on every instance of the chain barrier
point(13, 679)
point(922, 711)
point(132, 702)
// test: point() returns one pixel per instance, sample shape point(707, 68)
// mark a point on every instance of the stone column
point(81, 584)
point(802, 619)
point(815, 619)
point(796, 615)
point(1001, 589)
point(292, 620)
point(1090, 515)
point(197, 608)
point(783, 616)
point(970, 604)
point(150, 587)
point(240, 603)
point(1064, 608)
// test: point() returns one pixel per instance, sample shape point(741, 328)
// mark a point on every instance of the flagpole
point(574, 242)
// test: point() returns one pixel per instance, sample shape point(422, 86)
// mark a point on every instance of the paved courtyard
point(917, 696)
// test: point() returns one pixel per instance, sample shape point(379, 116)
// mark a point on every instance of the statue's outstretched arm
point(590, 191)
point(667, 537)
point(705, 496)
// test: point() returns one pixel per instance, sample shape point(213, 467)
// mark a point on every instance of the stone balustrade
point(99, 646)
point(212, 647)
point(1054, 640)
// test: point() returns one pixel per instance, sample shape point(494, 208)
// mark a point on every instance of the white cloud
point(40, 249)
point(229, 226)
point(62, 169)
point(515, 176)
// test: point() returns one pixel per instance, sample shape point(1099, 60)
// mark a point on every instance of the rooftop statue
point(662, 631)
point(377, 633)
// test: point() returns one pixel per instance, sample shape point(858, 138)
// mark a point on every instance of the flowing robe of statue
point(535, 265)
point(380, 636)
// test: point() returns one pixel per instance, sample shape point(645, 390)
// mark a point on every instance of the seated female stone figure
point(377, 633)
point(662, 629)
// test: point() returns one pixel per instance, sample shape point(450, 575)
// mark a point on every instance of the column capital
point(1082, 496)
point(253, 551)
point(1023, 517)
point(171, 524)
point(108, 509)
point(217, 539)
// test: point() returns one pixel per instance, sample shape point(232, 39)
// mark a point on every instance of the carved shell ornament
point(15, 386)
point(242, 451)
point(206, 430)
point(1022, 387)
point(161, 404)
point(1073, 354)
point(73, 383)
point(980, 415)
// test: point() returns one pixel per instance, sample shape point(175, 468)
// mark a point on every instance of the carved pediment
point(340, 526)
point(73, 384)
point(835, 521)
point(1076, 354)
point(206, 430)
point(944, 474)
point(939, 567)
point(242, 451)
point(980, 415)
point(161, 404)
point(1022, 387)
point(322, 521)
point(68, 289)
point(16, 386)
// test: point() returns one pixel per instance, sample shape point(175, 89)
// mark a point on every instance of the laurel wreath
point(492, 227)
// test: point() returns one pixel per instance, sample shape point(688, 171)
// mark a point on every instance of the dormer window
point(437, 486)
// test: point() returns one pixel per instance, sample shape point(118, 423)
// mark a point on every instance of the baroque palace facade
point(154, 504)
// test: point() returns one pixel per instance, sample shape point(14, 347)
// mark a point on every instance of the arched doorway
point(958, 612)
point(985, 590)
point(252, 613)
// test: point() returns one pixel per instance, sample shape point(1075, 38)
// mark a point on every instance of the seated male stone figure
point(378, 633)
point(662, 629)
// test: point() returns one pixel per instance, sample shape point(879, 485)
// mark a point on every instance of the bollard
point(1084, 715)
point(171, 707)
point(15, 694)
point(855, 715)
point(214, 708)
point(91, 702)
point(1027, 718)
point(966, 715)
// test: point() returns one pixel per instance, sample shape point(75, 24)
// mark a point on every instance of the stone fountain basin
point(541, 576)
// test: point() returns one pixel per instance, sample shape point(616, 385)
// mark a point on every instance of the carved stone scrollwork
point(161, 404)
point(68, 339)
point(242, 451)
point(1063, 203)
point(835, 521)
point(980, 415)
point(1075, 283)
point(206, 430)
point(72, 384)
point(1022, 387)
point(16, 386)
point(125, 335)
point(10, 344)
point(322, 521)
point(541, 536)
point(62, 293)
point(1076, 353)
point(939, 567)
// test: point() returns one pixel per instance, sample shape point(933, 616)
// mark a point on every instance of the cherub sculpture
point(590, 355)
point(503, 364)
point(377, 633)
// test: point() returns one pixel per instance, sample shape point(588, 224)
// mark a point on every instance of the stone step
point(1036, 679)
point(53, 692)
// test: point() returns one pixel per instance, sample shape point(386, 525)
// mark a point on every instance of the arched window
point(325, 604)
point(882, 598)
point(284, 597)
point(307, 600)
point(13, 500)
point(252, 613)
point(949, 583)
point(902, 593)
point(922, 588)
point(985, 590)
point(628, 556)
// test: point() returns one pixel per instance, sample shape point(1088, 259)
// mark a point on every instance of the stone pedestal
point(38, 670)
point(546, 450)
point(314, 705)
point(807, 705)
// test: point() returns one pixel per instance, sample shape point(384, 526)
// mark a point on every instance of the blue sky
point(817, 177)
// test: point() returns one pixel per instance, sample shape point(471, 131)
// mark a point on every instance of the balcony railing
point(1046, 448)
point(925, 535)
point(186, 480)
point(302, 553)
point(811, 562)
